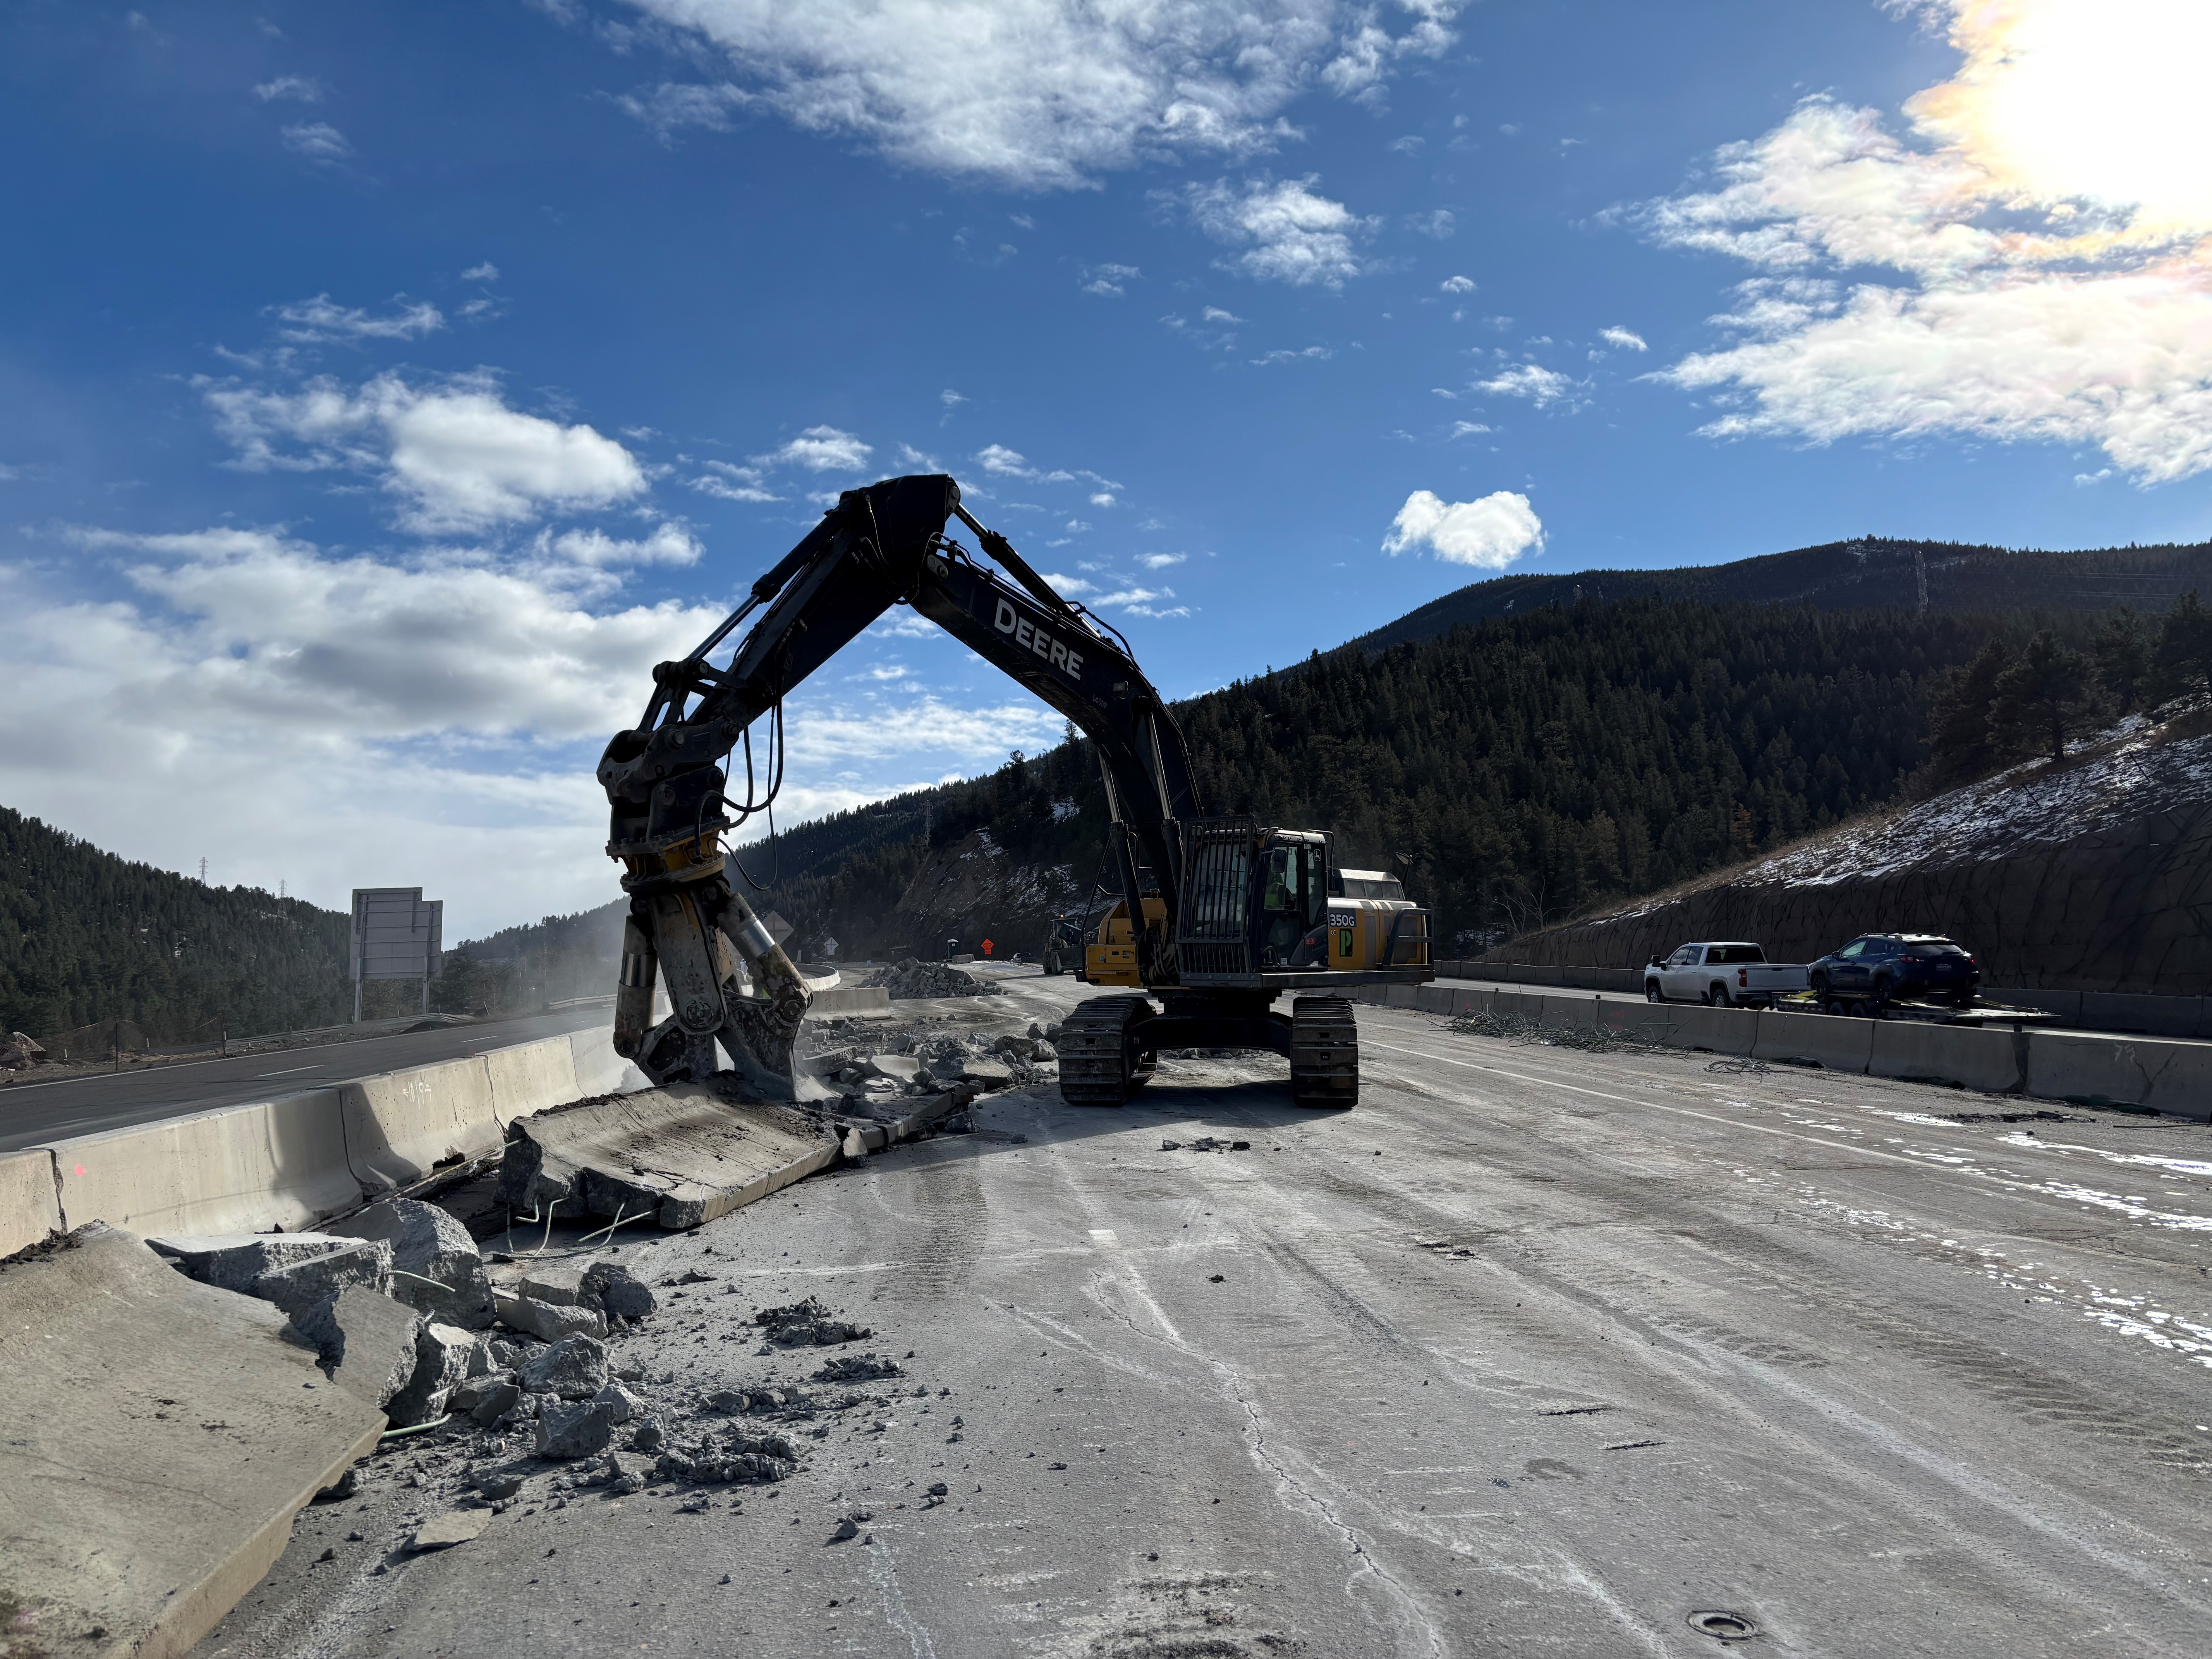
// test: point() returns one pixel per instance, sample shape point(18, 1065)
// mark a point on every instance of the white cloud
point(1439, 223)
point(669, 544)
point(1287, 232)
point(1160, 561)
point(1491, 532)
point(821, 449)
point(1101, 498)
point(1284, 354)
point(1539, 385)
point(456, 456)
point(1467, 429)
point(299, 88)
point(1069, 584)
point(1005, 463)
point(1108, 279)
point(486, 272)
point(950, 398)
point(1216, 314)
point(2047, 232)
point(1626, 338)
point(323, 318)
point(733, 483)
point(319, 141)
point(1051, 91)
point(1457, 285)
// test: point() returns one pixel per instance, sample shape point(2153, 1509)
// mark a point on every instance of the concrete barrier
point(1647, 1022)
point(1839, 1042)
point(400, 1126)
point(1465, 999)
point(1719, 1030)
point(1402, 996)
point(1432, 998)
point(599, 1070)
point(1990, 1060)
point(531, 1077)
point(30, 1198)
point(240, 1169)
point(2175, 1077)
point(851, 1000)
point(2168, 1017)
point(130, 1530)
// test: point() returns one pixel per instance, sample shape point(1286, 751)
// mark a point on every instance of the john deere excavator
point(1218, 916)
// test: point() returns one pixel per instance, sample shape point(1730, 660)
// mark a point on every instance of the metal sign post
point(397, 934)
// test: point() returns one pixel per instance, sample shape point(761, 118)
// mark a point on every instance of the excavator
point(1219, 917)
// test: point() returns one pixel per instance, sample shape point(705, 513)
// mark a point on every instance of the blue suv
point(1877, 968)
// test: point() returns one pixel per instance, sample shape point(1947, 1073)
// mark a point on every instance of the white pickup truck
point(1722, 974)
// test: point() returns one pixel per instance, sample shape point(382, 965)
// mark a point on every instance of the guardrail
point(2172, 1076)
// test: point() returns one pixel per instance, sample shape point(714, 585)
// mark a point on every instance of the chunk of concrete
point(441, 1365)
point(575, 1430)
point(443, 1273)
point(620, 1401)
point(299, 1287)
point(454, 1527)
point(498, 1400)
point(161, 1435)
point(575, 1368)
point(899, 1068)
point(365, 1342)
point(232, 1262)
point(562, 1286)
point(616, 1292)
point(548, 1321)
point(988, 1073)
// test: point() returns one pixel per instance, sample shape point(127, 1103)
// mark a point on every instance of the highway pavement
point(1537, 1352)
point(31, 1114)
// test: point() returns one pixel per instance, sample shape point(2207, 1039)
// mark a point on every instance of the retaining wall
point(30, 1198)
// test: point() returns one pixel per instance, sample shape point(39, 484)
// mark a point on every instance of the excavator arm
point(666, 784)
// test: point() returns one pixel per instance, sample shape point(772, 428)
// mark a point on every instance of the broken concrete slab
point(365, 1342)
point(498, 1400)
point(30, 1198)
point(299, 1287)
point(988, 1073)
point(444, 1275)
point(681, 1155)
point(441, 1365)
point(150, 1517)
point(575, 1368)
point(549, 1322)
point(232, 1262)
point(454, 1527)
point(899, 1068)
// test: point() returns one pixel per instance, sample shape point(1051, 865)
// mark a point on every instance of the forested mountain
point(86, 936)
point(1872, 571)
point(1511, 772)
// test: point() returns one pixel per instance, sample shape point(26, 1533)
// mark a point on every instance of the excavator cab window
point(1293, 897)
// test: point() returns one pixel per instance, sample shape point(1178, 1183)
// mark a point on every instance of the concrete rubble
point(914, 979)
point(17, 1051)
point(434, 1260)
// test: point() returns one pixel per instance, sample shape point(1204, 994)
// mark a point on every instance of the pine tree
point(2121, 650)
point(2041, 697)
point(2182, 662)
point(1960, 743)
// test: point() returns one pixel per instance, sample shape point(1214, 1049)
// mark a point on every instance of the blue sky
point(387, 387)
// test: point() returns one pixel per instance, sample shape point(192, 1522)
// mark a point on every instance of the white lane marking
point(1106, 1238)
point(317, 1067)
point(1657, 1106)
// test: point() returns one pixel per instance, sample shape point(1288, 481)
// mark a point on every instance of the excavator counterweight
point(1218, 916)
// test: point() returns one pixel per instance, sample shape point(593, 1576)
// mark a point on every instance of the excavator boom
point(731, 987)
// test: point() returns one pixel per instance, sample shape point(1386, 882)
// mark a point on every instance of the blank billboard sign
point(397, 934)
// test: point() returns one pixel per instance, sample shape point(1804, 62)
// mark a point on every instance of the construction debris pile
point(905, 1064)
point(527, 1387)
point(915, 978)
point(17, 1050)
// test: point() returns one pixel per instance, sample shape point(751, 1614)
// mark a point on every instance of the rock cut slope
point(2094, 873)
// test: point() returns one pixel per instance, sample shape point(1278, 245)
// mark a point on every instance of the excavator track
point(1324, 1052)
point(1099, 1061)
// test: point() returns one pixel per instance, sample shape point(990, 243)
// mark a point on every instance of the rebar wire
point(621, 1213)
point(419, 1428)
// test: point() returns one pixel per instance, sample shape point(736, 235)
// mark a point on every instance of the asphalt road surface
point(32, 1115)
point(1536, 1351)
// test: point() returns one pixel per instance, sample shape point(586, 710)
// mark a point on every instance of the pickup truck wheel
point(1652, 992)
point(1719, 998)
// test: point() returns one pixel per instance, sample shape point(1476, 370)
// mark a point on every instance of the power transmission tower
point(203, 872)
